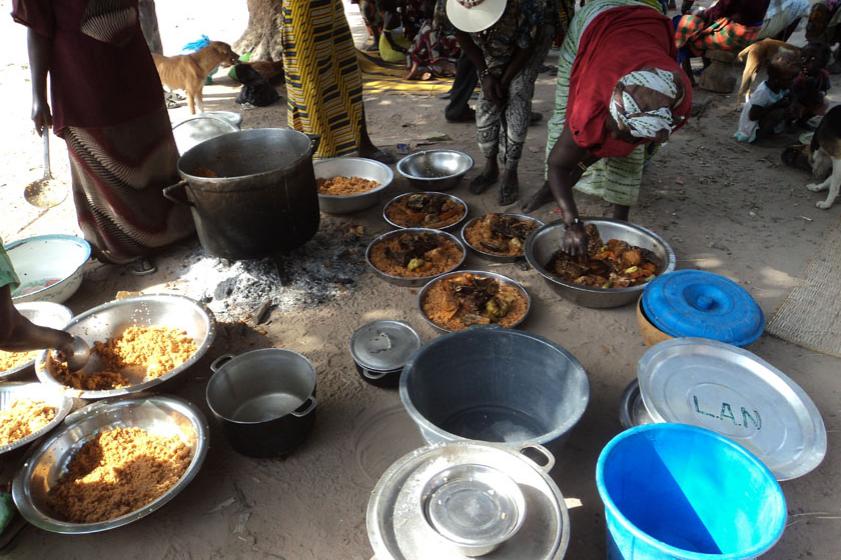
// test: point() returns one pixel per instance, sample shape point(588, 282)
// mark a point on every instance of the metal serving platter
point(737, 394)
point(55, 397)
point(44, 465)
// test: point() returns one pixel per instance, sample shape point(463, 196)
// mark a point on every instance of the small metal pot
point(264, 400)
point(380, 350)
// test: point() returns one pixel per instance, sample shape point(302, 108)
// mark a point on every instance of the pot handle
point(545, 453)
point(221, 361)
point(374, 377)
point(315, 142)
point(306, 408)
point(176, 193)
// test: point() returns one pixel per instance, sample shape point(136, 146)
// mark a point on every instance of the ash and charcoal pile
point(324, 268)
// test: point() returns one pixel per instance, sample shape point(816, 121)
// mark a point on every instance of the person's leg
point(517, 120)
point(487, 133)
point(367, 149)
point(458, 109)
point(770, 123)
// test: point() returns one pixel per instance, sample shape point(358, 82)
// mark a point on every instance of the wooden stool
point(720, 75)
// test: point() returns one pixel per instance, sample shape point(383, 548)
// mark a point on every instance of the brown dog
point(189, 71)
point(756, 57)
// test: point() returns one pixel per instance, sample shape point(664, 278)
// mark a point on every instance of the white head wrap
point(645, 124)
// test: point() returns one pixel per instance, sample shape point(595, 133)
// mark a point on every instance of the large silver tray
point(44, 465)
point(53, 396)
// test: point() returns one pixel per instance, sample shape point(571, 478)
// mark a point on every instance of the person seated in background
point(394, 43)
point(17, 333)
point(811, 85)
point(729, 25)
point(769, 107)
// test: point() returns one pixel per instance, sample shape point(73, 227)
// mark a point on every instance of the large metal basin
point(495, 385)
point(544, 242)
point(159, 415)
point(262, 198)
point(111, 319)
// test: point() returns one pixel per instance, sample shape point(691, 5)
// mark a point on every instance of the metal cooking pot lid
point(384, 345)
point(473, 505)
point(702, 304)
point(399, 529)
point(737, 394)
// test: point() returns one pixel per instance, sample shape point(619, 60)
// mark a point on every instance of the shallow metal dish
point(352, 167)
point(53, 396)
point(450, 227)
point(49, 266)
point(44, 314)
point(411, 282)
point(435, 170)
point(111, 319)
point(492, 256)
point(632, 411)
point(544, 242)
point(482, 273)
point(166, 416)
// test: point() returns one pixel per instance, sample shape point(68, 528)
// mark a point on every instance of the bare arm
point(18, 334)
point(39, 48)
point(567, 162)
point(473, 52)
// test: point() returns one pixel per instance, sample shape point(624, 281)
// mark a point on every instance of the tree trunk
point(262, 36)
point(149, 25)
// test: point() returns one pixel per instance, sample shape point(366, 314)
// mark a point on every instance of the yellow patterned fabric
point(323, 80)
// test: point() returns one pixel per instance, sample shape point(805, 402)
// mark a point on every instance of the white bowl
point(49, 267)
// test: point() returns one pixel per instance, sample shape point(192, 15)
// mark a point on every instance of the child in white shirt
point(766, 112)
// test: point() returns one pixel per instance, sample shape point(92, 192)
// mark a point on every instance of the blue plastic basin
point(673, 491)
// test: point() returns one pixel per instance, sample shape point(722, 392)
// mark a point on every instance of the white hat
point(472, 16)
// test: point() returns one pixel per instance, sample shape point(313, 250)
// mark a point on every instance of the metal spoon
point(81, 354)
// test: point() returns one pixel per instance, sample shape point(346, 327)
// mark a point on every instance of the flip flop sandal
point(141, 267)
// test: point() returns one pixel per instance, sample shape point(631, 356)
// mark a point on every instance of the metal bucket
point(264, 400)
point(252, 193)
point(494, 385)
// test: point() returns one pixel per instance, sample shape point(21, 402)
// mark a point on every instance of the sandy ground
point(724, 207)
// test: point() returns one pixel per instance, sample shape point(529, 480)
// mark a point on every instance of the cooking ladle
point(80, 356)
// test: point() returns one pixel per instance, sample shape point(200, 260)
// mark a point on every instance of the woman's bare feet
point(509, 188)
point(486, 178)
point(541, 197)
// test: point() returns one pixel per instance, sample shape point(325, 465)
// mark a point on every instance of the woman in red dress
point(108, 106)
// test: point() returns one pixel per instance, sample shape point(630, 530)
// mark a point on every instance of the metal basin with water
point(494, 385)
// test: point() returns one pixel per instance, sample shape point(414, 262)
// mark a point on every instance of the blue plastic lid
point(694, 303)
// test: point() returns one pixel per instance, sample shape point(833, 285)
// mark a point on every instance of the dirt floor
point(724, 207)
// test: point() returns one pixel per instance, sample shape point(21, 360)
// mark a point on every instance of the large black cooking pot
point(252, 192)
